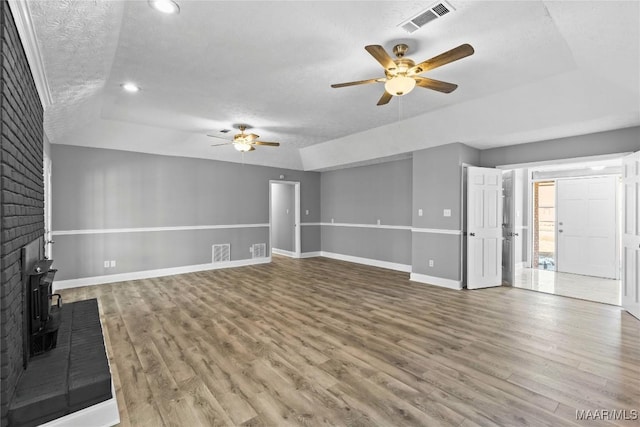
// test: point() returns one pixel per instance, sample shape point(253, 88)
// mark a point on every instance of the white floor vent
point(418, 21)
point(221, 253)
point(259, 250)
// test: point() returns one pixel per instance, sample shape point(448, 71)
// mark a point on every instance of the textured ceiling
point(541, 70)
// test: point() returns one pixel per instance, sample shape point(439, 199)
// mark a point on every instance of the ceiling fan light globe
point(399, 85)
point(241, 146)
point(169, 7)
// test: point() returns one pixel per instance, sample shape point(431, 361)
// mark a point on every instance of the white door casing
point(586, 226)
point(48, 242)
point(631, 234)
point(484, 227)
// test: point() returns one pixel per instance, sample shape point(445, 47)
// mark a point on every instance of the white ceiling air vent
point(221, 253)
point(418, 21)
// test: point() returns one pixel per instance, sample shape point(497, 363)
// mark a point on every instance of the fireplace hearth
point(66, 369)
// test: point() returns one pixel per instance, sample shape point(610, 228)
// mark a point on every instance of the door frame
point(296, 253)
point(47, 172)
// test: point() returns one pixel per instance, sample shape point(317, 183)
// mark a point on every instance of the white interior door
point(484, 227)
point(631, 234)
point(586, 217)
point(509, 232)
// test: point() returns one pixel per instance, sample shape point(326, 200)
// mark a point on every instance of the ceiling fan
point(402, 74)
point(244, 142)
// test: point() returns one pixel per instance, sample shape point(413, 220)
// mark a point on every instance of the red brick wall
point(21, 193)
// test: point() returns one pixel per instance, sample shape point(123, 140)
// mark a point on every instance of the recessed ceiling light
point(165, 6)
point(130, 87)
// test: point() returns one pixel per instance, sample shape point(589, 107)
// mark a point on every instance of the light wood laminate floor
point(324, 342)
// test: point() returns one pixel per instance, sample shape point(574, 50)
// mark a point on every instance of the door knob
point(516, 234)
point(559, 231)
point(472, 234)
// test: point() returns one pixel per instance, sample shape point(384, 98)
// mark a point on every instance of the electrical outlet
point(306, 212)
point(447, 212)
point(430, 263)
point(106, 264)
point(378, 222)
point(250, 249)
point(419, 212)
point(331, 220)
point(113, 263)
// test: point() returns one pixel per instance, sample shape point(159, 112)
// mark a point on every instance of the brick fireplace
point(21, 193)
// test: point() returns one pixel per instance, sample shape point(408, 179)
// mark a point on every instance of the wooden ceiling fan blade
point(217, 145)
point(385, 98)
point(454, 54)
point(270, 144)
point(381, 56)
point(359, 82)
point(438, 85)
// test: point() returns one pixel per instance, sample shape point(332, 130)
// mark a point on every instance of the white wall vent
point(259, 250)
point(418, 21)
point(221, 253)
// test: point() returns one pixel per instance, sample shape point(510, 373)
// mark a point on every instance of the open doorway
point(544, 225)
point(284, 218)
point(573, 238)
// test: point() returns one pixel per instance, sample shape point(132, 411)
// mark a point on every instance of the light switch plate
point(419, 212)
point(430, 263)
point(106, 264)
point(447, 212)
point(113, 263)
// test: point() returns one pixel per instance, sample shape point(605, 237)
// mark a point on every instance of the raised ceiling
point(542, 69)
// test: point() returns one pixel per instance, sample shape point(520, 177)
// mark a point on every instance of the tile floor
point(570, 285)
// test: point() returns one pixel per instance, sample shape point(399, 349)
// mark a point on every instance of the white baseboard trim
point(148, 274)
point(284, 253)
point(310, 254)
point(103, 414)
point(436, 281)
point(368, 261)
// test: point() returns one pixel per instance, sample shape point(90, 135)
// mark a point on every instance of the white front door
point(586, 218)
point(509, 233)
point(484, 227)
point(631, 234)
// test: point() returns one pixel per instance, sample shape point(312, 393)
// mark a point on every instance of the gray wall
point(437, 185)
point(610, 142)
point(283, 216)
point(97, 189)
point(362, 195)
point(106, 189)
